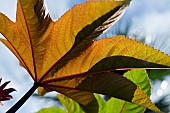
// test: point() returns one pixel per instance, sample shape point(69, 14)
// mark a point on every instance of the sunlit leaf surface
point(52, 110)
point(140, 78)
point(64, 55)
point(70, 105)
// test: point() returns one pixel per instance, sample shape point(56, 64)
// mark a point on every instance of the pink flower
point(4, 93)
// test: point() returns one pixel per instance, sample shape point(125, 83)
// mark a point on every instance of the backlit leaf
point(70, 105)
point(140, 78)
point(24, 34)
point(64, 56)
point(86, 99)
point(82, 24)
point(158, 74)
point(103, 73)
point(52, 110)
point(37, 46)
point(44, 46)
point(113, 53)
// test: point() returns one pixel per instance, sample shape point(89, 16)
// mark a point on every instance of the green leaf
point(64, 56)
point(119, 106)
point(158, 74)
point(140, 78)
point(112, 84)
point(101, 102)
point(86, 99)
point(52, 110)
point(96, 70)
point(114, 105)
point(70, 105)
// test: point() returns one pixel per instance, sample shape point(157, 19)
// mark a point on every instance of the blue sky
point(149, 18)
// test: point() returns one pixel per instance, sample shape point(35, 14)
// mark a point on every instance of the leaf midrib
point(53, 86)
point(95, 72)
point(32, 50)
point(16, 49)
point(74, 46)
point(122, 108)
point(84, 74)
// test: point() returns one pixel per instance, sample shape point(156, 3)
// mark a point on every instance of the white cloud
point(154, 22)
point(146, 18)
point(58, 7)
point(8, 7)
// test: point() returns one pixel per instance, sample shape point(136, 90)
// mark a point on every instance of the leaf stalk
point(14, 108)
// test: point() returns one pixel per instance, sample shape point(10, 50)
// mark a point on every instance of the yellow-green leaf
point(96, 69)
point(113, 53)
point(121, 88)
point(70, 105)
point(44, 46)
point(51, 110)
point(84, 98)
point(64, 57)
point(140, 78)
point(107, 83)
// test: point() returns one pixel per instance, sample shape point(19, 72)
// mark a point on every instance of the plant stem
point(23, 99)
